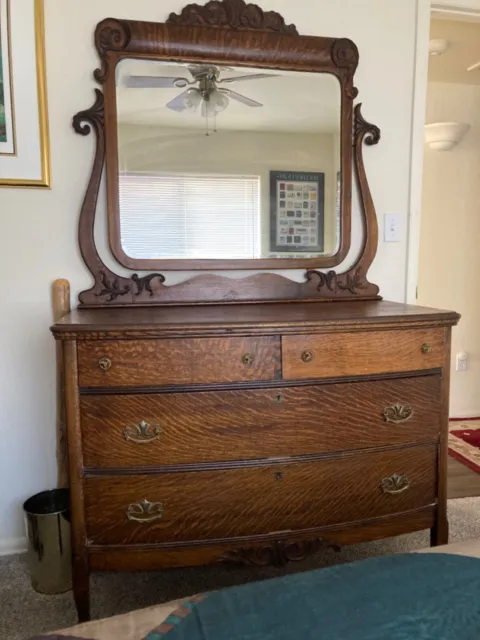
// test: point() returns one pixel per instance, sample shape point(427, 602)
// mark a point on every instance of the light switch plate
point(393, 227)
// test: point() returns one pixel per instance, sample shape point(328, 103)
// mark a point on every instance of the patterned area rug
point(464, 445)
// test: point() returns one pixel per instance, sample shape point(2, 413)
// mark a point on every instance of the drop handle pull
point(142, 433)
point(307, 356)
point(398, 413)
point(247, 359)
point(144, 511)
point(395, 484)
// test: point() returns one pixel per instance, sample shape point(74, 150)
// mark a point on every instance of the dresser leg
point(439, 533)
point(81, 592)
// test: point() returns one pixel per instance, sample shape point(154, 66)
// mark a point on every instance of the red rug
point(464, 446)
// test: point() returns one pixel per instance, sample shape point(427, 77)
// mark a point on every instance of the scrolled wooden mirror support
point(261, 39)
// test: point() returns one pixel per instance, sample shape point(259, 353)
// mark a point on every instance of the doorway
point(449, 255)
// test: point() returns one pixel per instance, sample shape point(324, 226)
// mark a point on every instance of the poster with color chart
point(297, 203)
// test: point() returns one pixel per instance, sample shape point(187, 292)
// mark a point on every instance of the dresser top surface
point(291, 317)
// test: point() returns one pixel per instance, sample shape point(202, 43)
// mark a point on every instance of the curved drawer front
point(210, 426)
point(126, 363)
point(185, 507)
point(361, 353)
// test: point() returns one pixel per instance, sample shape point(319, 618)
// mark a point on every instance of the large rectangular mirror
point(226, 163)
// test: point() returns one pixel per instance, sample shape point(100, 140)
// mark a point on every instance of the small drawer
point(361, 353)
point(209, 426)
point(252, 501)
point(129, 363)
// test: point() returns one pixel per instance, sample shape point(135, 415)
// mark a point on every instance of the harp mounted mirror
point(231, 143)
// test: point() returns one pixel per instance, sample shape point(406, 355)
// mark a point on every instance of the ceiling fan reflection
point(204, 90)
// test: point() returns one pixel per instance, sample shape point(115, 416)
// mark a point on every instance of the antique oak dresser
point(252, 419)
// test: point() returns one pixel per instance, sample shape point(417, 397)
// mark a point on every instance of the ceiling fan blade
point(252, 76)
point(238, 96)
point(155, 82)
point(178, 103)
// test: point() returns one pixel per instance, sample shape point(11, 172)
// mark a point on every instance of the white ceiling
point(293, 102)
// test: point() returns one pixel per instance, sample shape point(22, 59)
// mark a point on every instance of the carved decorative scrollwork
point(352, 281)
point(145, 283)
point(232, 14)
point(345, 54)
point(95, 116)
point(365, 131)
point(112, 288)
point(110, 34)
point(278, 553)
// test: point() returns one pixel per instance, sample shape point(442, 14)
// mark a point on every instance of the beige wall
point(149, 149)
point(450, 235)
point(38, 239)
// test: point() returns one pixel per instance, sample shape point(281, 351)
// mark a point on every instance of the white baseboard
point(10, 546)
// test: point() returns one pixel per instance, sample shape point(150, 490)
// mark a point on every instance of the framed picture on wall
point(297, 208)
point(24, 144)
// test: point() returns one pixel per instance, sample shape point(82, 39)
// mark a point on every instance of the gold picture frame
point(44, 179)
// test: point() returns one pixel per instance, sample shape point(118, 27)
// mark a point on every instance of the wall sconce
point(443, 136)
point(438, 46)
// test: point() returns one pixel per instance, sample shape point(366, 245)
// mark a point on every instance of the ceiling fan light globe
point(193, 99)
point(219, 101)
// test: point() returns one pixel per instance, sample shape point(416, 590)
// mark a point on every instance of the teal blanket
point(402, 597)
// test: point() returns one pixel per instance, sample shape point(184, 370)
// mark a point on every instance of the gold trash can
point(47, 518)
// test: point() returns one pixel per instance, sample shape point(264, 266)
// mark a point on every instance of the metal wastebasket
point(47, 518)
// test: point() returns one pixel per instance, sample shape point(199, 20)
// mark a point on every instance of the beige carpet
point(24, 613)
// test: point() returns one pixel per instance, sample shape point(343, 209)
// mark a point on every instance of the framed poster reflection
point(297, 210)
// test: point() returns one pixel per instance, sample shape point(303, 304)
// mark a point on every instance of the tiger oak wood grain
point(145, 557)
point(80, 569)
point(176, 361)
point(236, 425)
point(301, 317)
point(360, 354)
point(255, 501)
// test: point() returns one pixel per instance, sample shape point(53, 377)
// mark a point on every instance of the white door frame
point(455, 10)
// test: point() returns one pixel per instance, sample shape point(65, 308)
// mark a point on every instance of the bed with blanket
point(433, 594)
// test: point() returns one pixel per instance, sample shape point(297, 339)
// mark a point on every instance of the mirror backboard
point(227, 163)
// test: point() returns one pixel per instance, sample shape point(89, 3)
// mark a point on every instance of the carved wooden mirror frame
point(260, 39)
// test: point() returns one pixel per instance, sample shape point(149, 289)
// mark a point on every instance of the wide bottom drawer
point(208, 505)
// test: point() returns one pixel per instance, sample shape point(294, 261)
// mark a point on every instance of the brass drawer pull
point(247, 359)
point(307, 356)
point(145, 511)
point(395, 484)
point(142, 433)
point(398, 413)
point(105, 364)
point(427, 348)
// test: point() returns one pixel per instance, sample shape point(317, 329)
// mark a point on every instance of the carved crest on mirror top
point(197, 33)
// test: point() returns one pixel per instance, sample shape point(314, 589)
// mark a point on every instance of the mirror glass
point(223, 163)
